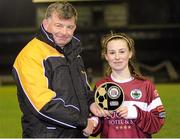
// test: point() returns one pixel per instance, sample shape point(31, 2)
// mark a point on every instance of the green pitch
point(10, 115)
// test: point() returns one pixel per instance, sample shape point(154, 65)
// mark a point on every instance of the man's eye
point(58, 26)
point(70, 27)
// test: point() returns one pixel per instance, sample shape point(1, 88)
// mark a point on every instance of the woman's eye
point(111, 53)
point(121, 51)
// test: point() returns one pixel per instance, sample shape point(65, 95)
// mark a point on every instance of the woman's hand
point(122, 111)
point(98, 111)
point(127, 112)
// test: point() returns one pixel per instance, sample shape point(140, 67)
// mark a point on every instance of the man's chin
point(62, 43)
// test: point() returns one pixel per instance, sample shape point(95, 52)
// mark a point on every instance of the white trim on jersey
point(143, 105)
point(156, 102)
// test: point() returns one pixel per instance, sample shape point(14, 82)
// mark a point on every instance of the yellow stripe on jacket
point(30, 69)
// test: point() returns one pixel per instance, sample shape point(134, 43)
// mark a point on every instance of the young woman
point(142, 112)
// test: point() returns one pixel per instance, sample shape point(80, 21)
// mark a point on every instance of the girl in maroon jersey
point(142, 113)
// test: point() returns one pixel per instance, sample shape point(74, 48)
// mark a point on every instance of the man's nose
point(64, 30)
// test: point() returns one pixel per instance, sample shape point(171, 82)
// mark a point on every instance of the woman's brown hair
point(130, 42)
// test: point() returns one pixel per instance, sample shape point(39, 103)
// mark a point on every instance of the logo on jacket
point(136, 94)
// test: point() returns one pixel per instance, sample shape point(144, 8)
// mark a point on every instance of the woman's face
point(118, 55)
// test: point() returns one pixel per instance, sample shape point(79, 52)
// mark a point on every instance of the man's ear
point(45, 24)
point(75, 27)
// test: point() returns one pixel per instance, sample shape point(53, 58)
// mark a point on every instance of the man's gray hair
point(64, 10)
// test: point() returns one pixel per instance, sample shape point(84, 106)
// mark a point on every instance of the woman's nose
point(117, 56)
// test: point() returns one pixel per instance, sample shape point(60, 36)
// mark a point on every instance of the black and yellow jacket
point(53, 91)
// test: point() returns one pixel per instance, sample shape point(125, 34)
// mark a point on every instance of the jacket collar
point(45, 36)
point(72, 47)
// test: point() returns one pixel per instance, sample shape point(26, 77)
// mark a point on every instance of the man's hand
point(91, 125)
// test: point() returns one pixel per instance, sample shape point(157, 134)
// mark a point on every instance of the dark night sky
point(22, 13)
point(17, 13)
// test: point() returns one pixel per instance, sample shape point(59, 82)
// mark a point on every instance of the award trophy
point(109, 96)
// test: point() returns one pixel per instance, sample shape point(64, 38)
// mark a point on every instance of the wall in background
point(155, 26)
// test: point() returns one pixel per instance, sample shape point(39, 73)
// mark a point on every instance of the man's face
point(61, 29)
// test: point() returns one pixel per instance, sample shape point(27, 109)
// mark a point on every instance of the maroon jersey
point(147, 118)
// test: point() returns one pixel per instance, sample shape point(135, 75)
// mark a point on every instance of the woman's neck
point(122, 76)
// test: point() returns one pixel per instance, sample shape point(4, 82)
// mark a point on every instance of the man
point(53, 92)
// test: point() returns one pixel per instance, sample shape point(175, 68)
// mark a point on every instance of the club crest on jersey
point(136, 94)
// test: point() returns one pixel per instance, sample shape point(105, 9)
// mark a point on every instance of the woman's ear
point(106, 57)
point(130, 54)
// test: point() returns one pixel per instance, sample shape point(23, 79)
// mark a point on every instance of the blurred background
point(153, 24)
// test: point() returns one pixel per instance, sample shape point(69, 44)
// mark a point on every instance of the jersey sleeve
point(152, 119)
point(98, 129)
